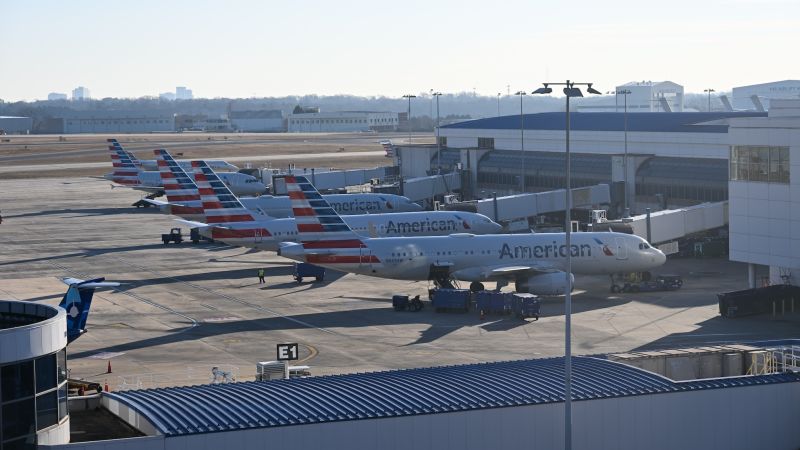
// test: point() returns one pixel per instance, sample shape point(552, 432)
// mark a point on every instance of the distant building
point(110, 122)
point(645, 96)
point(55, 96)
point(743, 96)
point(166, 96)
point(343, 121)
point(201, 122)
point(183, 93)
point(80, 93)
point(15, 125)
point(257, 121)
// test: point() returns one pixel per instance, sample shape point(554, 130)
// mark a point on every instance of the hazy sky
point(275, 48)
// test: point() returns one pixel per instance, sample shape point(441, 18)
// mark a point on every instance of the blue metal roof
point(238, 406)
point(683, 122)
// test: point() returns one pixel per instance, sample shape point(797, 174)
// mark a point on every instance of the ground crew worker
point(261, 276)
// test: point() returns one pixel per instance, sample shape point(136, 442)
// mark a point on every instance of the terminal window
point(760, 163)
point(486, 143)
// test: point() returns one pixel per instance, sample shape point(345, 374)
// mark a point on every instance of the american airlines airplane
point(152, 165)
point(184, 201)
point(534, 262)
point(230, 222)
point(127, 174)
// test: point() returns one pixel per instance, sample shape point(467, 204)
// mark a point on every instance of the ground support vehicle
point(174, 235)
point(304, 270)
point(644, 282)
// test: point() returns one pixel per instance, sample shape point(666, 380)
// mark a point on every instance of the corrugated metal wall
point(732, 418)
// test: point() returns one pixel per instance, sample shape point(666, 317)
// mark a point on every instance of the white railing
point(192, 375)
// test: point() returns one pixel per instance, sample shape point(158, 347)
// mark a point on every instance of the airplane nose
point(660, 257)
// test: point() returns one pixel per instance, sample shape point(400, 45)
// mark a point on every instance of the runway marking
point(193, 322)
point(230, 298)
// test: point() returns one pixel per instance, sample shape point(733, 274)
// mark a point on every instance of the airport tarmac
point(184, 309)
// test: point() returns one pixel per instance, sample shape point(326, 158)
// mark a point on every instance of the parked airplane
point(77, 301)
point(229, 221)
point(534, 262)
point(184, 201)
point(127, 174)
point(152, 164)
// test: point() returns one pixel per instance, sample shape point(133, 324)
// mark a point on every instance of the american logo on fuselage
point(419, 226)
point(356, 205)
point(607, 251)
point(544, 251)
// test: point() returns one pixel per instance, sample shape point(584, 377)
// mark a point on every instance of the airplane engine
point(545, 284)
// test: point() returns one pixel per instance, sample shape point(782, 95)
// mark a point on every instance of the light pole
point(408, 117)
point(438, 141)
point(498, 104)
point(709, 90)
point(626, 206)
point(569, 91)
point(522, 136)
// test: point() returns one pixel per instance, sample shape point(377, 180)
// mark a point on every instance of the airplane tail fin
point(178, 186)
point(220, 205)
point(125, 171)
point(318, 225)
point(77, 301)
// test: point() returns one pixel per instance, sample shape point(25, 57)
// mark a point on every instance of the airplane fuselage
point(343, 204)
point(268, 234)
point(473, 258)
point(239, 183)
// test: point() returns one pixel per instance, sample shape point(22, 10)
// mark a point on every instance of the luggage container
point(525, 305)
point(403, 303)
point(457, 300)
point(491, 302)
point(302, 270)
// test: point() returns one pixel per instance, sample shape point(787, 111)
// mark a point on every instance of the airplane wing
point(156, 202)
point(504, 272)
point(194, 224)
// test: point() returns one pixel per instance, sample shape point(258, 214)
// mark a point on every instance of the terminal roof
point(237, 406)
point(683, 122)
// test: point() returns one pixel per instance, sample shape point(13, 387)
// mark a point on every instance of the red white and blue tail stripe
point(223, 209)
point(321, 230)
point(180, 189)
point(220, 205)
point(125, 171)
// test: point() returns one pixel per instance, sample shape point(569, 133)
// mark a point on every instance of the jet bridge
point(671, 224)
point(521, 206)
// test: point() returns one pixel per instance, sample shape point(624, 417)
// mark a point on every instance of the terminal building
point(750, 159)
point(33, 375)
point(342, 121)
point(758, 96)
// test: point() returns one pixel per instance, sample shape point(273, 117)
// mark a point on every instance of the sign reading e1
point(288, 352)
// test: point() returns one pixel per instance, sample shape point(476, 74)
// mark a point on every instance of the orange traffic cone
point(106, 388)
point(108, 370)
